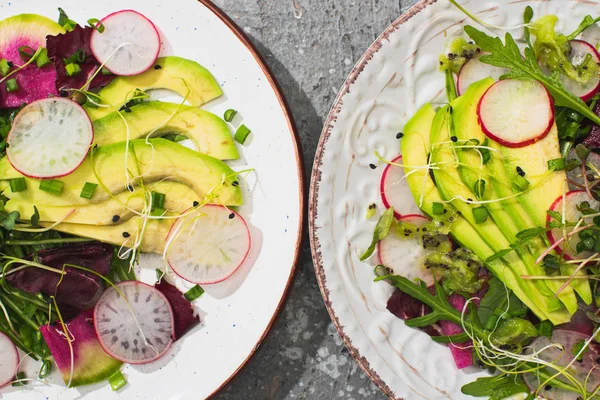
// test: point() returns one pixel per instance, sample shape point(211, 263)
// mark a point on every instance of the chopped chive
point(117, 381)
point(4, 67)
point(65, 21)
point(42, 59)
point(241, 134)
point(19, 379)
point(88, 190)
point(158, 200)
point(72, 69)
point(159, 274)
point(77, 57)
point(12, 85)
point(229, 114)
point(96, 24)
point(52, 186)
point(17, 185)
point(194, 293)
point(520, 183)
point(480, 214)
point(558, 164)
point(479, 188)
point(26, 52)
point(438, 208)
point(157, 212)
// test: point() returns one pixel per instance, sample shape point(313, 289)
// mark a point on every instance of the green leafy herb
point(531, 233)
point(582, 152)
point(382, 229)
point(498, 255)
point(527, 17)
point(242, 134)
point(117, 381)
point(438, 208)
point(545, 328)
point(587, 22)
point(485, 153)
point(88, 190)
point(12, 85)
point(499, 297)
point(11, 219)
point(557, 164)
point(555, 215)
point(577, 348)
point(479, 188)
point(19, 379)
point(159, 275)
point(480, 214)
point(77, 57)
point(194, 293)
point(509, 56)
point(35, 218)
point(18, 185)
point(495, 387)
point(551, 262)
point(229, 114)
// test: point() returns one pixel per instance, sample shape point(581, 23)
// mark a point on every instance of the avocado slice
point(415, 152)
point(178, 198)
point(451, 188)
point(177, 74)
point(157, 160)
point(209, 133)
point(508, 214)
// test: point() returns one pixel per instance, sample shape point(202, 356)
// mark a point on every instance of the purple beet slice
point(182, 309)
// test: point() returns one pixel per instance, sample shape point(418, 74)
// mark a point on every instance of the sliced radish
point(395, 191)
point(568, 209)
point(49, 138)
point(208, 245)
point(577, 54)
point(129, 44)
point(9, 360)
point(548, 350)
point(474, 71)
point(135, 326)
point(405, 255)
point(575, 176)
point(516, 113)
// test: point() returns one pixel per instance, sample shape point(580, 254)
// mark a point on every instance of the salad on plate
point(94, 173)
point(491, 228)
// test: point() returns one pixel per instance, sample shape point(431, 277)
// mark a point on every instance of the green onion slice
point(18, 185)
point(241, 134)
point(72, 69)
point(12, 85)
point(4, 67)
point(158, 200)
point(96, 24)
point(42, 59)
point(26, 52)
point(117, 381)
point(194, 293)
point(52, 186)
point(88, 190)
point(229, 114)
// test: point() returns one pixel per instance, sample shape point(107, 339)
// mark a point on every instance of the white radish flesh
point(49, 138)
point(129, 44)
point(405, 255)
point(474, 70)
point(395, 191)
point(208, 245)
point(568, 210)
point(135, 324)
point(516, 113)
point(9, 360)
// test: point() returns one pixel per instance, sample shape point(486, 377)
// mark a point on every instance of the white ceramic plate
point(236, 315)
point(398, 74)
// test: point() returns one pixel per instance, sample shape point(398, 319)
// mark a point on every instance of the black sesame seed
point(548, 387)
point(469, 199)
point(424, 229)
point(598, 360)
point(157, 66)
point(10, 64)
point(454, 139)
point(115, 218)
point(372, 166)
point(232, 216)
point(64, 93)
point(130, 188)
point(580, 361)
point(235, 183)
point(399, 135)
point(126, 234)
point(520, 171)
point(445, 211)
point(196, 204)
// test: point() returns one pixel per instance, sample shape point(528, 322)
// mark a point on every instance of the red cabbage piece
point(406, 307)
point(182, 308)
point(65, 45)
point(78, 289)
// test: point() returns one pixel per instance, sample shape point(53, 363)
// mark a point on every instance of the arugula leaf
point(496, 298)
point(587, 22)
point(531, 233)
point(35, 218)
point(11, 219)
point(509, 56)
point(498, 255)
point(382, 229)
point(488, 386)
point(555, 215)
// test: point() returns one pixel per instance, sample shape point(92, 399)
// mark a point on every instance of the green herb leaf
point(587, 22)
point(10, 220)
point(551, 262)
point(545, 328)
point(382, 229)
point(480, 214)
point(531, 233)
point(527, 17)
point(582, 152)
point(35, 218)
point(4, 67)
point(498, 255)
point(577, 348)
point(159, 275)
point(12, 85)
point(194, 293)
point(555, 215)
point(479, 188)
point(438, 208)
point(557, 164)
point(509, 56)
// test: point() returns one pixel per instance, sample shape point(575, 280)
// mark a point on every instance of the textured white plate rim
point(300, 169)
point(316, 179)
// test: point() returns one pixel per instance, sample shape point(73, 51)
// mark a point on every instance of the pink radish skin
point(9, 360)
point(212, 248)
point(516, 113)
point(571, 214)
point(474, 71)
point(118, 332)
point(49, 138)
point(126, 26)
point(404, 256)
point(395, 191)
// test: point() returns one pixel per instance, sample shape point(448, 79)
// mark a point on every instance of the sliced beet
point(182, 309)
point(90, 362)
point(406, 307)
point(462, 353)
point(78, 289)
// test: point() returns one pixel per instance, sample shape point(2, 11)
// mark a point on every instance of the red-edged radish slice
point(474, 71)
point(395, 191)
point(404, 256)
point(558, 350)
point(568, 209)
point(49, 138)
point(129, 44)
point(135, 324)
point(208, 245)
point(575, 176)
point(516, 113)
point(578, 52)
point(9, 360)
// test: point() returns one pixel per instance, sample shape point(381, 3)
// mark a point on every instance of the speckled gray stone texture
point(311, 46)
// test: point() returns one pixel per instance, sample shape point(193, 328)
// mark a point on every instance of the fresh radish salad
point(92, 174)
point(491, 228)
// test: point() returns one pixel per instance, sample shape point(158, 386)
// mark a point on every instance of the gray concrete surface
point(311, 46)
